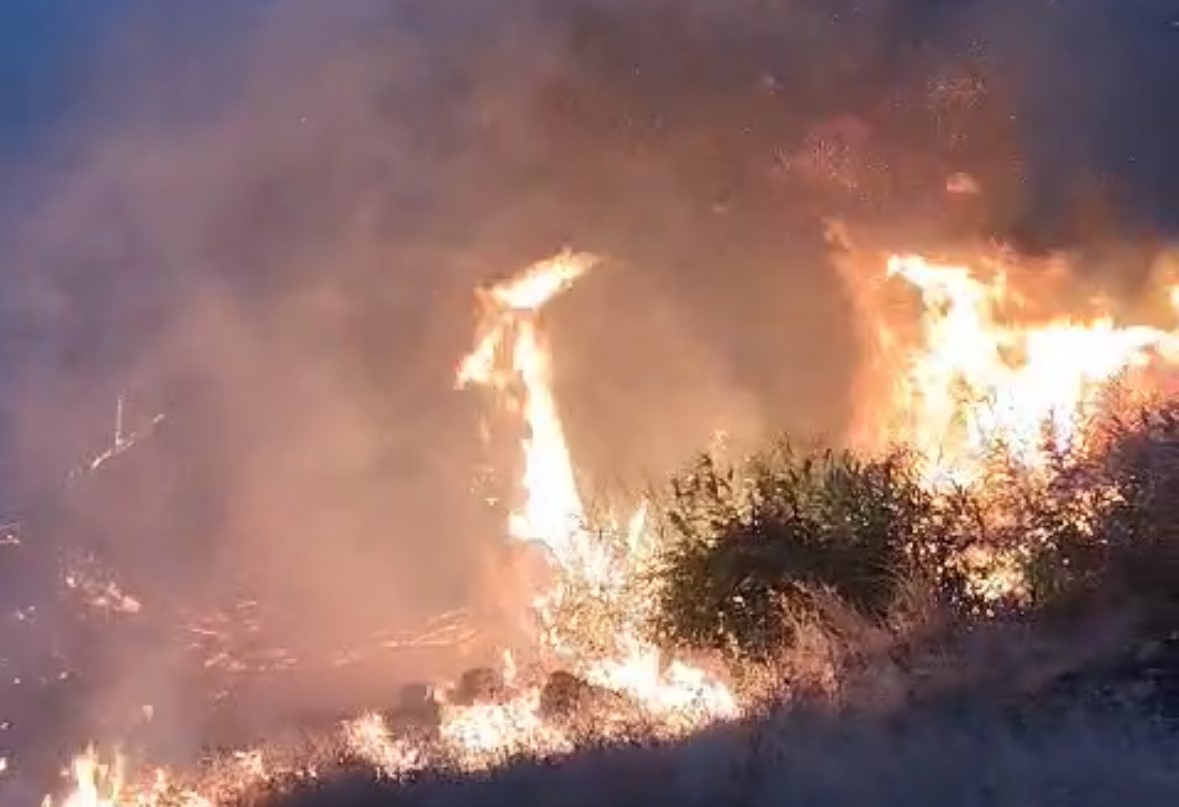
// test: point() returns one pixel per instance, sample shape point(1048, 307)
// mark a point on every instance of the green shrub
point(747, 550)
point(746, 545)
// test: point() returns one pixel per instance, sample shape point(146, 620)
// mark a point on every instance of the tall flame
point(512, 359)
point(981, 379)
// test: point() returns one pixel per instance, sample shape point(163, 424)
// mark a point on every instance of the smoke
point(266, 224)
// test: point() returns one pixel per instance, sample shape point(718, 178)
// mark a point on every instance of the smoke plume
point(265, 224)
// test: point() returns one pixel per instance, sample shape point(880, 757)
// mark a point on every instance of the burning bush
point(789, 537)
point(1007, 499)
point(750, 544)
point(1131, 554)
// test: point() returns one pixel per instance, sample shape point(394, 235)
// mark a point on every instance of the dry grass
point(922, 759)
point(879, 688)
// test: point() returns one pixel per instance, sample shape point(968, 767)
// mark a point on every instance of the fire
point(96, 784)
point(484, 734)
point(511, 358)
point(984, 379)
point(978, 376)
point(370, 739)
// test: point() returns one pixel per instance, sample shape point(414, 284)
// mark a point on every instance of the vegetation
point(789, 541)
point(847, 568)
point(748, 546)
point(794, 760)
point(1131, 553)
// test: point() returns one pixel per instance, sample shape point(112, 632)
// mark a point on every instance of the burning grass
point(867, 585)
point(959, 759)
point(864, 676)
point(886, 684)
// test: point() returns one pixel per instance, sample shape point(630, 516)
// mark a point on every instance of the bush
point(1131, 551)
point(747, 546)
point(829, 564)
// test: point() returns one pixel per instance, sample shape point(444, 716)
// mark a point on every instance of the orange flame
point(511, 358)
point(980, 380)
point(96, 784)
point(553, 513)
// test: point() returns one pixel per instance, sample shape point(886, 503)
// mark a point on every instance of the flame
point(511, 358)
point(993, 372)
point(982, 378)
point(552, 513)
point(370, 739)
point(977, 374)
point(479, 736)
point(96, 784)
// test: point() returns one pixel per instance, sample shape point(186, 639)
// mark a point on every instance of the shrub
point(1131, 551)
point(755, 555)
point(745, 546)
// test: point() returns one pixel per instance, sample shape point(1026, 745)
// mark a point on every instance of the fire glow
point(977, 382)
point(968, 381)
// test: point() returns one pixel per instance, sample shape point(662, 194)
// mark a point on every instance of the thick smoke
point(266, 224)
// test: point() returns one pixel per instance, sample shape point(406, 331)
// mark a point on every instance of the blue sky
point(44, 50)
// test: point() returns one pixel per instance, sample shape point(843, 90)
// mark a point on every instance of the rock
point(575, 702)
point(479, 685)
point(564, 694)
point(417, 711)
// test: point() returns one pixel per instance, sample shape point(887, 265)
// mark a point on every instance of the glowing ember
point(370, 739)
point(484, 734)
point(102, 595)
